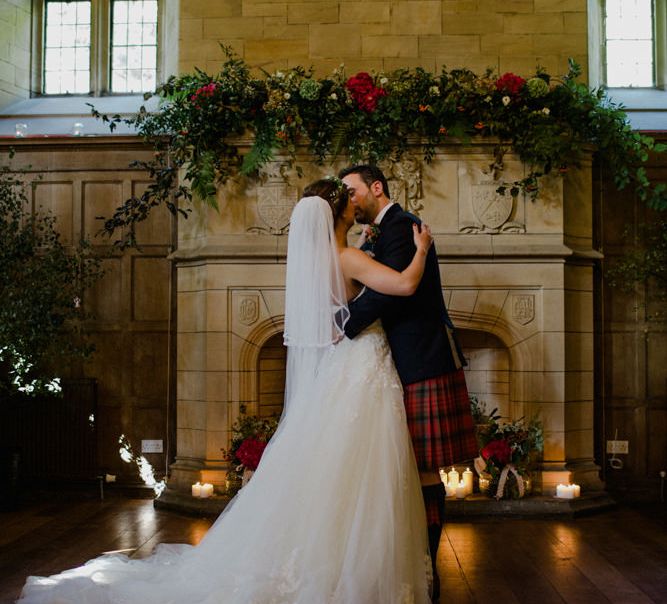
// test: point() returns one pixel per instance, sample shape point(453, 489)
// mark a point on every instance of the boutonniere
point(372, 233)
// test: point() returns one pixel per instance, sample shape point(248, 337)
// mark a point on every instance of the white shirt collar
point(382, 212)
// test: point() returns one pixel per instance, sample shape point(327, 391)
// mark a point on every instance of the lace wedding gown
point(333, 514)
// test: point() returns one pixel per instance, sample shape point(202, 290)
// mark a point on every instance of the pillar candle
point(196, 490)
point(467, 481)
point(206, 490)
point(577, 490)
point(453, 477)
point(461, 491)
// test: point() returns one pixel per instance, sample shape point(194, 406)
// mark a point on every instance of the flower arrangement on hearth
point(250, 435)
point(507, 451)
point(550, 122)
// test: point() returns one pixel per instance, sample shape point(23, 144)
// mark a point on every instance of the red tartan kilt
point(440, 421)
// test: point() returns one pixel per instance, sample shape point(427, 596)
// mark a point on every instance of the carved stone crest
point(274, 206)
point(249, 310)
point(523, 308)
point(275, 198)
point(493, 211)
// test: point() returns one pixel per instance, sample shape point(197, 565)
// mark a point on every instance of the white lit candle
point(467, 480)
point(565, 491)
point(453, 476)
point(577, 490)
point(450, 489)
point(206, 490)
point(461, 491)
point(196, 490)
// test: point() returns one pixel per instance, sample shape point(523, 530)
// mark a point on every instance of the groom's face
point(362, 198)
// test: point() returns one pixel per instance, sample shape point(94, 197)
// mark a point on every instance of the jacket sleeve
point(397, 251)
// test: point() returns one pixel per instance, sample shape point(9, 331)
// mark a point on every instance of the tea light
point(196, 490)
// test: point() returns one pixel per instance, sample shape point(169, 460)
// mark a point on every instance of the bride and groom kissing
point(375, 404)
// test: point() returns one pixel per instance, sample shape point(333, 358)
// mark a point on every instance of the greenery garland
point(548, 122)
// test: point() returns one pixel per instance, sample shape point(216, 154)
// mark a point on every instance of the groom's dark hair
point(369, 174)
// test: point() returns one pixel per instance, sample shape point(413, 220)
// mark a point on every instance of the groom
point(421, 337)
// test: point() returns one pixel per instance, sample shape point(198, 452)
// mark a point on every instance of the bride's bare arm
point(359, 266)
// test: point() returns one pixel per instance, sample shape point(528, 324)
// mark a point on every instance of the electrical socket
point(151, 446)
point(617, 446)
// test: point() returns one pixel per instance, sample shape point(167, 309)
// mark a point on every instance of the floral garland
point(549, 122)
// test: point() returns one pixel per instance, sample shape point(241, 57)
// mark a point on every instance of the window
point(627, 45)
point(97, 47)
point(629, 42)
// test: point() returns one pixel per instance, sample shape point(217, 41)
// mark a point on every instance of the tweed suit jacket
point(418, 327)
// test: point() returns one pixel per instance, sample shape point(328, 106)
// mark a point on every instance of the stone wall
point(514, 35)
point(15, 28)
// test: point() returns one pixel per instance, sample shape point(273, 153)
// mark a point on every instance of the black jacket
point(418, 328)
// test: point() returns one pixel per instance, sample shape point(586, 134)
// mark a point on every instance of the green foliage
point(550, 123)
point(42, 286)
point(646, 263)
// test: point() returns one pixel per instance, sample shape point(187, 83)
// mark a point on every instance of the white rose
point(384, 81)
point(506, 100)
point(287, 95)
point(333, 96)
point(546, 111)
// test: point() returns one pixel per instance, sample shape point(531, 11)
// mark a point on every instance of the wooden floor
point(615, 556)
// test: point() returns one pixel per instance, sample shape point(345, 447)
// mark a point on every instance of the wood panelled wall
point(132, 304)
point(632, 351)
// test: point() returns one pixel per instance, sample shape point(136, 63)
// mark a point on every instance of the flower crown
point(340, 186)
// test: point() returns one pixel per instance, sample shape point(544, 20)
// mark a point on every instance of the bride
point(334, 512)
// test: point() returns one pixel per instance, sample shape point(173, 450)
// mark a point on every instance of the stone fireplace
point(518, 282)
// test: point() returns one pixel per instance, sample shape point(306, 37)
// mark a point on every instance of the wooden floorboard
point(618, 556)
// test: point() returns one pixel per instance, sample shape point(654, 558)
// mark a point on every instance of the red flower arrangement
point(250, 452)
point(203, 92)
point(364, 92)
point(510, 84)
point(499, 451)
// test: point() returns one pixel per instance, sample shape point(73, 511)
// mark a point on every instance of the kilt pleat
point(440, 421)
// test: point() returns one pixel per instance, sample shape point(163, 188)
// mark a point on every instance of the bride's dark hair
point(332, 190)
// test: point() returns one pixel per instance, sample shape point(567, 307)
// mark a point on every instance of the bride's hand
point(423, 238)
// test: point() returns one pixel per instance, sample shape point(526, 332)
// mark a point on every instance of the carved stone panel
point(404, 178)
point(482, 209)
point(523, 308)
point(249, 309)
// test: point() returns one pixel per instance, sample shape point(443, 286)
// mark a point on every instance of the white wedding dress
point(333, 514)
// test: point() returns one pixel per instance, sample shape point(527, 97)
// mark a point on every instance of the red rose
point(510, 83)
point(499, 450)
point(364, 92)
point(250, 452)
